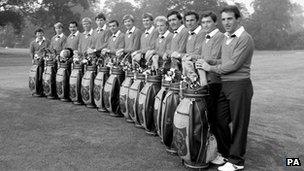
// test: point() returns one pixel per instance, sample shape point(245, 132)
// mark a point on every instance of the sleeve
point(32, 50)
point(240, 54)
point(63, 42)
point(121, 43)
point(136, 40)
point(168, 44)
point(183, 42)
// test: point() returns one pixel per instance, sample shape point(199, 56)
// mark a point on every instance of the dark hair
point(38, 30)
point(114, 21)
point(192, 13)
point(74, 22)
point(209, 14)
point(148, 15)
point(178, 15)
point(234, 9)
point(100, 16)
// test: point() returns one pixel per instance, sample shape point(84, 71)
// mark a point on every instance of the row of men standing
point(226, 57)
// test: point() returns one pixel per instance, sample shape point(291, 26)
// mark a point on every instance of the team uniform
point(58, 42)
point(234, 104)
point(85, 41)
point(100, 37)
point(36, 46)
point(73, 41)
point(116, 42)
point(132, 39)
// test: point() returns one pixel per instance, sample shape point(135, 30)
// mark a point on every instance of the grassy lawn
point(42, 134)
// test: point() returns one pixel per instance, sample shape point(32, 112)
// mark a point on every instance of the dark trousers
point(232, 119)
point(214, 93)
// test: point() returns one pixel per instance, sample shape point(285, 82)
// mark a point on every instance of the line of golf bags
point(172, 110)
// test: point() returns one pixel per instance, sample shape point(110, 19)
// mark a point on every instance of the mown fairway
point(43, 134)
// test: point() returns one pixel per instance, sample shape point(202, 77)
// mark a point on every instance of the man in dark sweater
point(234, 104)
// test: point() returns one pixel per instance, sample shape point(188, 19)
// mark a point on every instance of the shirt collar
point(75, 34)
point(165, 34)
point(37, 40)
point(116, 34)
point(211, 34)
point(104, 27)
point(150, 30)
point(237, 33)
point(197, 30)
point(132, 30)
point(90, 32)
point(60, 35)
point(180, 28)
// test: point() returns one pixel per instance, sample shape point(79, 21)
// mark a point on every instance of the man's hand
point(187, 57)
point(165, 56)
point(104, 51)
point(175, 55)
point(206, 66)
point(119, 52)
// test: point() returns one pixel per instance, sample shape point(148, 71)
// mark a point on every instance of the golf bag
point(35, 77)
point(99, 82)
point(133, 95)
point(111, 91)
point(87, 85)
point(169, 105)
point(49, 79)
point(62, 80)
point(146, 103)
point(191, 133)
point(158, 106)
point(123, 94)
point(75, 83)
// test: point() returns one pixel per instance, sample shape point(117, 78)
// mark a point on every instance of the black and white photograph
point(213, 85)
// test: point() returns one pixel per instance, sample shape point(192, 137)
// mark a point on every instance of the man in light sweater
point(73, 39)
point(101, 34)
point(194, 41)
point(234, 104)
point(116, 41)
point(86, 38)
point(58, 41)
point(179, 39)
point(148, 37)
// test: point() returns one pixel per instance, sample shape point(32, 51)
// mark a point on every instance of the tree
point(269, 23)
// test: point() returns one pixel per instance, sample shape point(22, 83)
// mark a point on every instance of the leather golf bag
point(169, 105)
point(75, 84)
point(111, 91)
point(191, 133)
point(49, 79)
point(134, 90)
point(99, 82)
point(123, 95)
point(62, 80)
point(158, 105)
point(87, 85)
point(35, 77)
point(146, 103)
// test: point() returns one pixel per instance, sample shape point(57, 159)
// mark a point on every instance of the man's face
point(191, 22)
point(113, 27)
point(161, 27)
point(100, 22)
point(147, 23)
point(39, 35)
point(208, 24)
point(58, 30)
point(229, 22)
point(174, 22)
point(128, 23)
point(86, 26)
point(73, 28)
